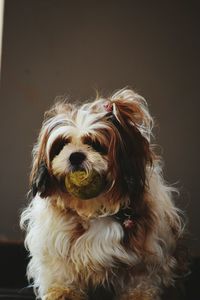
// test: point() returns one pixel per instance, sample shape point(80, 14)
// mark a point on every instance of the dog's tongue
point(84, 185)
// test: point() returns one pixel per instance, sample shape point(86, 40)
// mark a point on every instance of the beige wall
point(57, 47)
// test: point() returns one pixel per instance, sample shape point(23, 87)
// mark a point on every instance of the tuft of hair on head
point(130, 109)
point(61, 106)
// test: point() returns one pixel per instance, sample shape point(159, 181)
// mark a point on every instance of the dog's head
point(110, 136)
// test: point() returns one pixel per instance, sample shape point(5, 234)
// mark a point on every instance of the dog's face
point(78, 142)
point(109, 136)
point(75, 152)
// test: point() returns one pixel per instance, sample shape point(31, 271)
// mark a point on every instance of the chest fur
point(100, 246)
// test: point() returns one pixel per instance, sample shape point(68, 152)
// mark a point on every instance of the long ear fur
point(133, 123)
point(42, 182)
point(40, 178)
point(132, 126)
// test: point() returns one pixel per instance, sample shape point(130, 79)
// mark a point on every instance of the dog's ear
point(133, 123)
point(40, 178)
point(42, 182)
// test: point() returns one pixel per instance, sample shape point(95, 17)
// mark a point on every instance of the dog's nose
point(76, 158)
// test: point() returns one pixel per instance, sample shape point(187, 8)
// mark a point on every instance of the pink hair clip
point(108, 107)
point(128, 224)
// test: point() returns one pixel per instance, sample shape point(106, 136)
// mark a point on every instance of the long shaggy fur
point(79, 244)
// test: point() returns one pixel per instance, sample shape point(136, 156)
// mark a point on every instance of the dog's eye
point(96, 145)
point(58, 146)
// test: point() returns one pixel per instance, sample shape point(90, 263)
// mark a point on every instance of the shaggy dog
point(125, 237)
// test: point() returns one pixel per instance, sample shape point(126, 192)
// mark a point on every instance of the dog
point(125, 237)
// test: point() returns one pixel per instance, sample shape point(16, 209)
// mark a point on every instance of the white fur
point(55, 256)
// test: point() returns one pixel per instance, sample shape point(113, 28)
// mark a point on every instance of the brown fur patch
point(58, 293)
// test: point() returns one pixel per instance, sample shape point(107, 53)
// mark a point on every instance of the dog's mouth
point(85, 185)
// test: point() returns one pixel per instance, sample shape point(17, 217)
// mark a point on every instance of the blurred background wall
point(65, 47)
